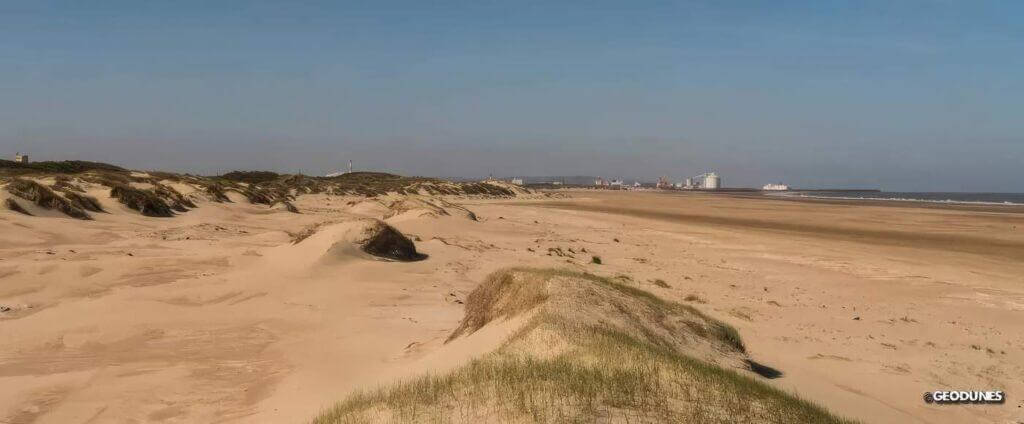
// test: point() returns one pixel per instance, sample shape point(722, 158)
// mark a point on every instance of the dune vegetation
point(45, 197)
point(13, 205)
point(144, 201)
point(153, 193)
point(593, 349)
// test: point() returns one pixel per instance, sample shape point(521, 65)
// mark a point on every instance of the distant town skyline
point(916, 95)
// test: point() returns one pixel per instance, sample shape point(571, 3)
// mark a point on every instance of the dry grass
point(693, 297)
point(11, 204)
point(502, 294)
point(260, 196)
point(605, 370)
point(307, 231)
point(44, 197)
point(216, 192)
point(65, 184)
point(83, 201)
point(288, 206)
point(107, 178)
point(176, 200)
point(144, 201)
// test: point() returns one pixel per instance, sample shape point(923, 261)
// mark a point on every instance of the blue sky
point(901, 95)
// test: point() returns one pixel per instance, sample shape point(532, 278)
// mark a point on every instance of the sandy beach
point(218, 315)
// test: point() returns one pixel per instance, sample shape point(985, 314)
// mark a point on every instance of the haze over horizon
point(917, 95)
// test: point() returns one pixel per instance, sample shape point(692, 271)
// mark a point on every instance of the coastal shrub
point(250, 177)
point(61, 167)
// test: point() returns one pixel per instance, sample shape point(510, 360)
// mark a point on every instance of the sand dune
point(591, 349)
point(218, 315)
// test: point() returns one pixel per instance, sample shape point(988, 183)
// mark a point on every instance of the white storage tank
point(712, 181)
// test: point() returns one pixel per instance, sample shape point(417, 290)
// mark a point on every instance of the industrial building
point(705, 181)
point(708, 181)
point(712, 181)
point(663, 183)
point(775, 187)
point(20, 158)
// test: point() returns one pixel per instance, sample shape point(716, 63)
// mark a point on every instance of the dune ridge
point(163, 194)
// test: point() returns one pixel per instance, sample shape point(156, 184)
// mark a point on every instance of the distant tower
point(20, 158)
point(350, 166)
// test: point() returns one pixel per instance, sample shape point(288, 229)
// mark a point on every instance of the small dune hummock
point(386, 242)
point(590, 349)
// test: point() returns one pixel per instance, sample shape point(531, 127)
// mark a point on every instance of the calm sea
point(967, 198)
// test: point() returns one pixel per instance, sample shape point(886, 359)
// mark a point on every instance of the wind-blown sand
point(216, 316)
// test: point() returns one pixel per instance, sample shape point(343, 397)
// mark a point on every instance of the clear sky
point(901, 95)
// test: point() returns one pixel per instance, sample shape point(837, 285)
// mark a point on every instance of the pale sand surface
point(215, 316)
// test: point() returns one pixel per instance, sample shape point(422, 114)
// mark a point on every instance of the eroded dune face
point(384, 241)
point(358, 238)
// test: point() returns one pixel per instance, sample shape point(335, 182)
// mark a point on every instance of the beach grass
point(605, 370)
